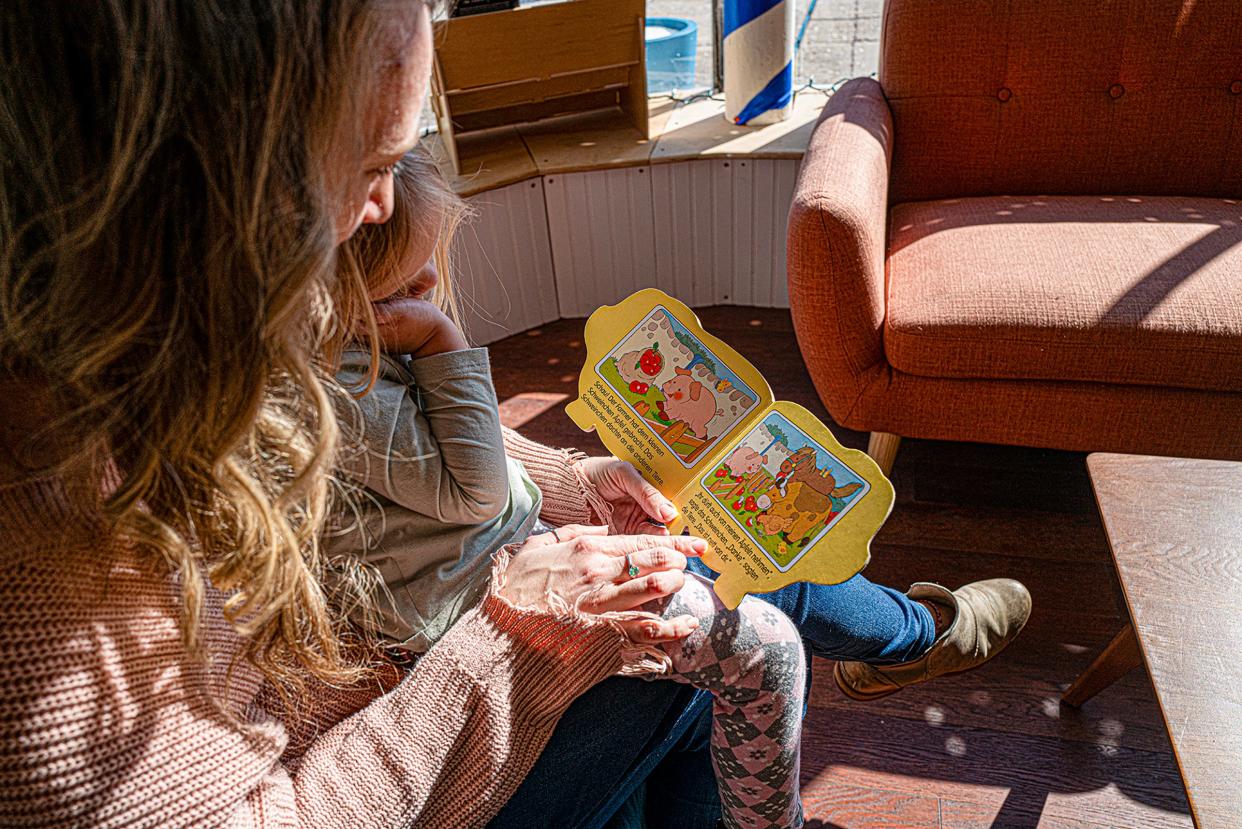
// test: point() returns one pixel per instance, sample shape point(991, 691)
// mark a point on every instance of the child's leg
point(751, 660)
point(859, 620)
point(855, 620)
point(885, 640)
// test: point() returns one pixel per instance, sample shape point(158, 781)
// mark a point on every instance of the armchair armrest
point(836, 245)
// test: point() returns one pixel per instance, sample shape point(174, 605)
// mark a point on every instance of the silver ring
point(631, 569)
point(554, 535)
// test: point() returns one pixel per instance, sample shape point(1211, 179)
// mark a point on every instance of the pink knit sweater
point(105, 720)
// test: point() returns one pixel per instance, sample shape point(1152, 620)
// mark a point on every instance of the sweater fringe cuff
point(601, 509)
point(637, 659)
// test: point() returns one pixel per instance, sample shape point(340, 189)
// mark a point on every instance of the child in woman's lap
point(443, 495)
point(752, 661)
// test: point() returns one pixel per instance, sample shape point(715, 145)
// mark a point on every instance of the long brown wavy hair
point(167, 278)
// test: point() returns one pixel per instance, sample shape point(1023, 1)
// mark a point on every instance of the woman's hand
point(408, 325)
point(635, 503)
point(580, 562)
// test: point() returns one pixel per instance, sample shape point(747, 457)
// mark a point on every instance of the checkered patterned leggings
point(751, 660)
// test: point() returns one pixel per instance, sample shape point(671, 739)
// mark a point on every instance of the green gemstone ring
point(631, 568)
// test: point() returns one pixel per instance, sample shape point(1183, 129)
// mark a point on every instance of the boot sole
point(859, 696)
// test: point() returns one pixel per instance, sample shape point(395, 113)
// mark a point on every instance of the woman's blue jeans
point(629, 742)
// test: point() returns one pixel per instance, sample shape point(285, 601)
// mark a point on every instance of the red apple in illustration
point(639, 387)
point(720, 473)
point(750, 503)
point(651, 361)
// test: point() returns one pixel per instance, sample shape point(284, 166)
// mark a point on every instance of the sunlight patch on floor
point(520, 409)
point(919, 784)
point(1100, 806)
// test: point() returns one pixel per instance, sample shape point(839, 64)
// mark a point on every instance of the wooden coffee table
point(1175, 529)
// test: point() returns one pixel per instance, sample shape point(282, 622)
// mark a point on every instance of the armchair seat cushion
point(1129, 290)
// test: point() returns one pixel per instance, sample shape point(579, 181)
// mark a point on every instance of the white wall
point(603, 236)
point(710, 232)
point(503, 263)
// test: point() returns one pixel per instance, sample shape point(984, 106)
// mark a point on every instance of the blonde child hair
point(424, 205)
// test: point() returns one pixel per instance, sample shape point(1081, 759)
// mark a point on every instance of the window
point(838, 39)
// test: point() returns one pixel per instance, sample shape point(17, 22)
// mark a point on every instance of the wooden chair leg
point(882, 447)
point(1120, 657)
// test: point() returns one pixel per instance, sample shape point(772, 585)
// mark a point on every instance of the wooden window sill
point(605, 139)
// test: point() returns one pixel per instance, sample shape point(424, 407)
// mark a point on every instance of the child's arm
point(431, 437)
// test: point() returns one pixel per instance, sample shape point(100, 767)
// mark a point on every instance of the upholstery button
point(1004, 94)
point(1236, 87)
point(1116, 90)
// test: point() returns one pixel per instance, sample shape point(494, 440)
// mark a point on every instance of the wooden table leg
point(1120, 657)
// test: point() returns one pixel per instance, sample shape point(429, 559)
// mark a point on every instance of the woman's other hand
point(635, 503)
point(586, 565)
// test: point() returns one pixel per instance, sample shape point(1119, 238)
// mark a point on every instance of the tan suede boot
point(987, 616)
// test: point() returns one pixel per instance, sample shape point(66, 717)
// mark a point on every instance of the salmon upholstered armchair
point(1028, 229)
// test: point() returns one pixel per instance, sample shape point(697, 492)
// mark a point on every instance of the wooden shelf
point(536, 63)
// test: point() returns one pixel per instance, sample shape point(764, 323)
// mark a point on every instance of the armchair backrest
point(1063, 97)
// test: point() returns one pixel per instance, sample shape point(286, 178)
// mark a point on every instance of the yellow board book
point(775, 495)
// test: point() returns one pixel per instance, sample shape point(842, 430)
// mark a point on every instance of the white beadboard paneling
point(603, 237)
point(720, 230)
point(557, 208)
point(670, 185)
point(704, 242)
point(691, 202)
point(720, 277)
point(786, 180)
point(763, 190)
point(767, 227)
point(741, 291)
point(710, 232)
point(639, 205)
point(503, 262)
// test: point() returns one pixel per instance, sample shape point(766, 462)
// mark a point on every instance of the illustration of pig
point(745, 461)
point(689, 401)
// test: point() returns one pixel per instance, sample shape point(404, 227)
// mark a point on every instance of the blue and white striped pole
point(758, 60)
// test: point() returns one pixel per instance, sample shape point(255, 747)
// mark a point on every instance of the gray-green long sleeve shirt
point(441, 493)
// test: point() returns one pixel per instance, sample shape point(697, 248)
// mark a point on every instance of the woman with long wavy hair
point(175, 179)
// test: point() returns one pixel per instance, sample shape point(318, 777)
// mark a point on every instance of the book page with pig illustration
point(665, 393)
point(765, 483)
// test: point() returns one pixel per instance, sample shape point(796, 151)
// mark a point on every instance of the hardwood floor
point(992, 748)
